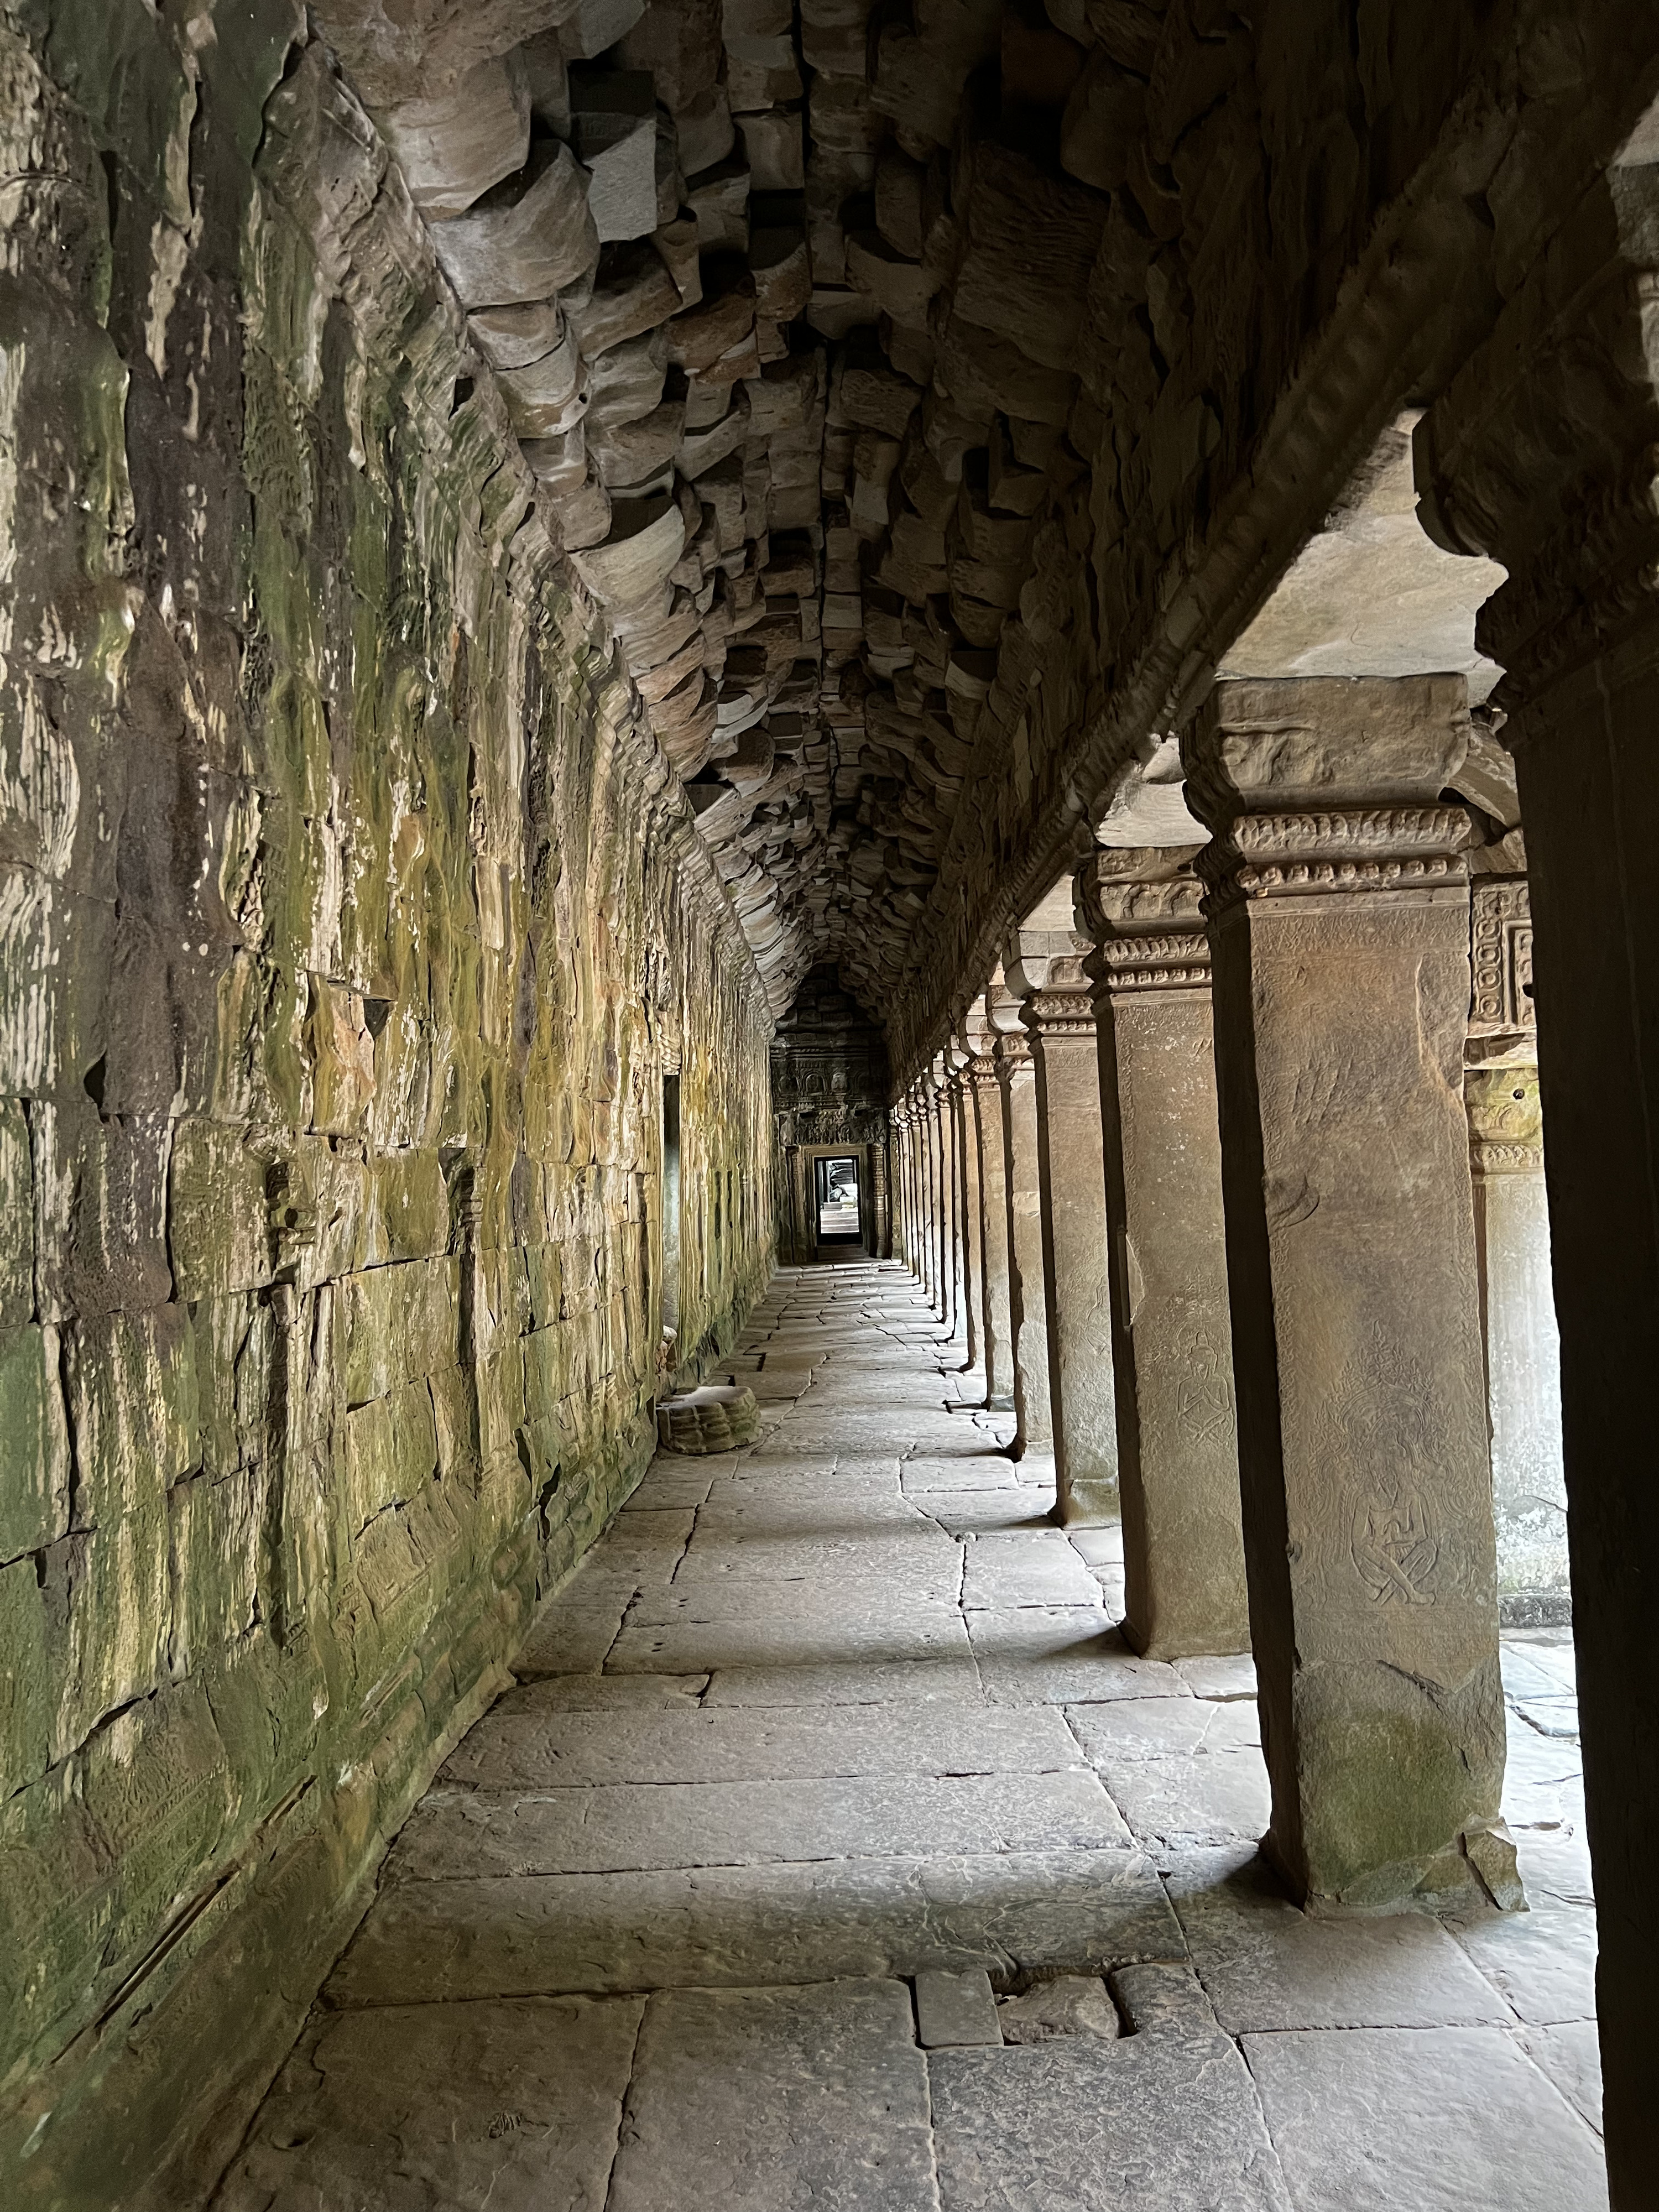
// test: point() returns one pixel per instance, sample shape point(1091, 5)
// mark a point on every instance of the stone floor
point(833, 1852)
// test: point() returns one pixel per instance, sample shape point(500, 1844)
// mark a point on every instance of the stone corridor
point(833, 1851)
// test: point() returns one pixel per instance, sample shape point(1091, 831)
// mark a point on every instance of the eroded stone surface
point(512, 2102)
point(1444, 2117)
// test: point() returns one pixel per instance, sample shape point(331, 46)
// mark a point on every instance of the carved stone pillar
point(1028, 1319)
point(968, 1208)
point(1338, 912)
point(949, 1250)
point(985, 1095)
point(932, 1170)
point(1183, 1546)
point(1512, 1235)
point(1059, 1020)
point(1540, 454)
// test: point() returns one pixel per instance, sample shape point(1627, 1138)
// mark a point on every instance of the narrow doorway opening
point(671, 1212)
point(837, 1195)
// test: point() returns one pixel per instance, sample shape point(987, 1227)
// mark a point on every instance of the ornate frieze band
point(1373, 848)
point(1058, 1013)
point(1153, 963)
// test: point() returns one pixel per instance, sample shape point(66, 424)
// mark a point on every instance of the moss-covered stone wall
point(347, 914)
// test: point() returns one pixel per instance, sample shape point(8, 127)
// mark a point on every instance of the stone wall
point(347, 910)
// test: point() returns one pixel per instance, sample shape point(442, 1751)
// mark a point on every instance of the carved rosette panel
point(1500, 958)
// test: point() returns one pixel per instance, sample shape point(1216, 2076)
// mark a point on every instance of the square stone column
point(1177, 1426)
point(950, 1251)
point(1540, 453)
point(1028, 1319)
point(968, 1208)
point(985, 1098)
point(1057, 1014)
point(1512, 1238)
point(1338, 912)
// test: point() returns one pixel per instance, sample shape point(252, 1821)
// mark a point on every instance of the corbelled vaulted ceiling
point(790, 353)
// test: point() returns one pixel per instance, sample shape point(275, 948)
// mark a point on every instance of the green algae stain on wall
point(348, 922)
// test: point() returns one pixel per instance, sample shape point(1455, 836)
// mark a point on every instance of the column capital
point(1063, 1005)
point(1329, 784)
point(1542, 450)
point(1506, 1123)
point(1012, 1055)
point(1142, 905)
point(980, 1072)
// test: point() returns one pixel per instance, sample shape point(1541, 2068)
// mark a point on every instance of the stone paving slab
point(1152, 2123)
point(956, 2010)
point(613, 1693)
point(1267, 1965)
point(1570, 2055)
point(1029, 1567)
point(722, 1926)
point(512, 2105)
point(974, 1471)
point(951, 1679)
point(1063, 1656)
point(1002, 1505)
point(575, 1632)
point(816, 1636)
point(1444, 2119)
point(923, 1558)
point(1543, 1961)
point(778, 2100)
point(1163, 1728)
point(605, 1829)
point(1220, 1797)
point(521, 1742)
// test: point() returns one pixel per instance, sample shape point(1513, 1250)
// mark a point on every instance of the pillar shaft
point(1027, 1315)
point(1540, 454)
point(992, 1153)
point(1177, 1429)
point(968, 1201)
point(1338, 918)
point(1060, 1022)
point(1512, 1235)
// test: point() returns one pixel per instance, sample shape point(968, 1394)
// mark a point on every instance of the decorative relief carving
point(1204, 1401)
point(1012, 1053)
point(1506, 1123)
point(1059, 1013)
point(1500, 958)
point(1396, 1545)
point(1373, 848)
point(1153, 964)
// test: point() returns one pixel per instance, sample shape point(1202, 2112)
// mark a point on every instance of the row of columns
point(1195, 1182)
